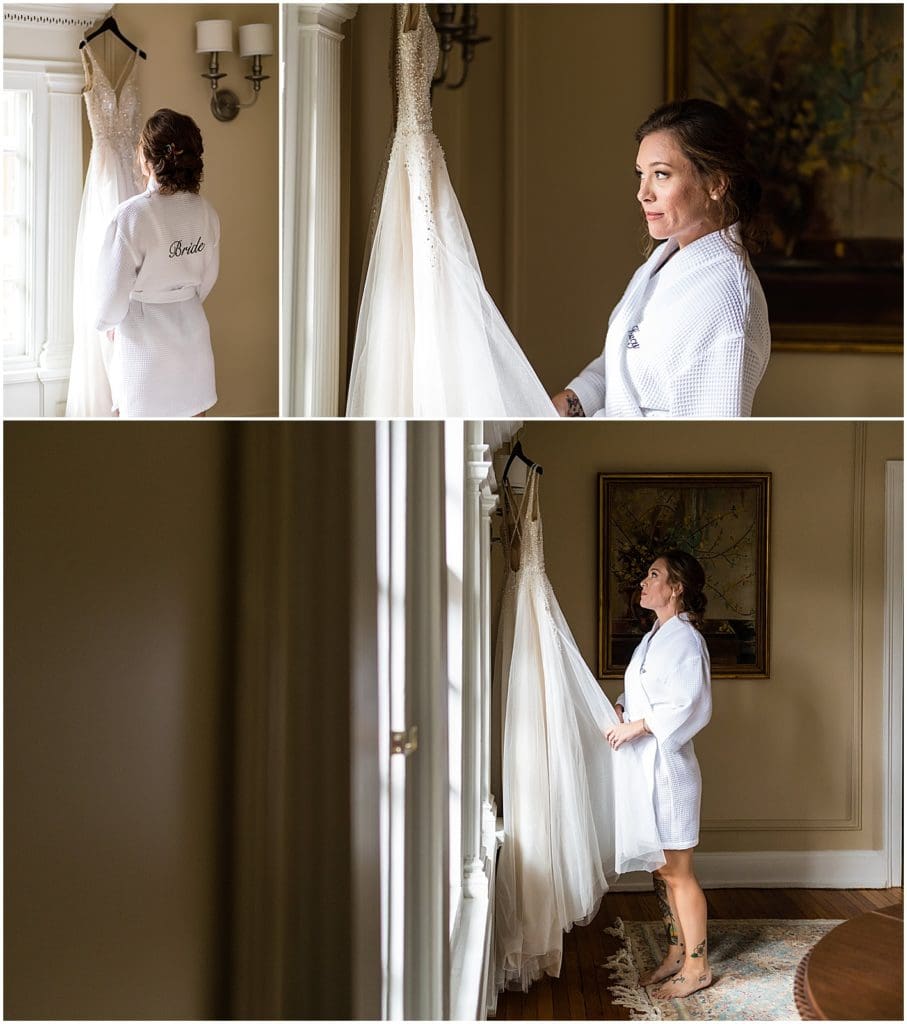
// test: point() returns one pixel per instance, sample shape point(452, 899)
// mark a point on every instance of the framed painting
point(720, 518)
point(820, 89)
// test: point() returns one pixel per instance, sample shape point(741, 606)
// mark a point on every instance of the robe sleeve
point(589, 386)
point(711, 383)
point(212, 265)
point(676, 721)
point(118, 268)
point(622, 700)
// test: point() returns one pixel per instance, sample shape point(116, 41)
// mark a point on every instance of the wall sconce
point(450, 32)
point(255, 41)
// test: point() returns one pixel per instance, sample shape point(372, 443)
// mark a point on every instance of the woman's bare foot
point(685, 984)
point(668, 967)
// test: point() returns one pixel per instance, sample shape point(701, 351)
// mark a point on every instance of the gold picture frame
point(826, 289)
point(723, 519)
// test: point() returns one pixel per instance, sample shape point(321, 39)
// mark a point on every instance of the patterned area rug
point(753, 964)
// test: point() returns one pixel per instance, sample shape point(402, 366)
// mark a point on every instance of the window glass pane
point(18, 171)
point(14, 305)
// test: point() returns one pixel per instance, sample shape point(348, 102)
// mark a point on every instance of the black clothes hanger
point(517, 453)
point(110, 25)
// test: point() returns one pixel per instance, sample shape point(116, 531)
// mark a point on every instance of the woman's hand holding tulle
point(626, 732)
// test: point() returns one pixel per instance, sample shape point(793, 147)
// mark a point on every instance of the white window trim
point(471, 943)
point(36, 35)
point(33, 82)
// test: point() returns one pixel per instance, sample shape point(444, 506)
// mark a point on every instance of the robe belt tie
point(165, 296)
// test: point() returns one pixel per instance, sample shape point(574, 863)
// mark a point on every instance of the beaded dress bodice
point(415, 61)
point(114, 119)
point(521, 529)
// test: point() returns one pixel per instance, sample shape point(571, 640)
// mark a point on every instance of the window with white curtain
point(42, 112)
point(24, 117)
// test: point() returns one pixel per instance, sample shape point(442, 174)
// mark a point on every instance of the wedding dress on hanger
point(576, 812)
point(429, 340)
point(113, 176)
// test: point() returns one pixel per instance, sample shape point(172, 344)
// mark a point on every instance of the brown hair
point(172, 145)
point(684, 569)
point(714, 142)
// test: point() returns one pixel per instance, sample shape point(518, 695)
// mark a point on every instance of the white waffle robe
point(158, 263)
point(689, 337)
point(668, 684)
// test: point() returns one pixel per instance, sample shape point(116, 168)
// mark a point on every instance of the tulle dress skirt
point(430, 341)
point(108, 183)
point(577, 814)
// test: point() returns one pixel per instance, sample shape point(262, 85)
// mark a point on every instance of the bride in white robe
point(159, 261)
point(667, 701)
point(690, 337)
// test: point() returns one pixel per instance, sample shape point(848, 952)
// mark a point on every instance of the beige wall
point(540, 147)
point(790, 749)
point(241, 181)
point(116, 706)
point(852, 384)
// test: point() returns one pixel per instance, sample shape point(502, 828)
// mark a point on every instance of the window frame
point(19, 76)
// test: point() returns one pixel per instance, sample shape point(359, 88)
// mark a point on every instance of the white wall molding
point(310, 313)
point(781, 869)
point(54, 16)
point(855, 746)
point(779, 825)
point(852, 821)
point(893, 675)
point(46, 65)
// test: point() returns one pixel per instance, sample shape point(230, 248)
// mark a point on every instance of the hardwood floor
point(581, 992)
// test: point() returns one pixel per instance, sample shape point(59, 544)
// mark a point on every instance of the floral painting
point(721, 519)
point(820, 89)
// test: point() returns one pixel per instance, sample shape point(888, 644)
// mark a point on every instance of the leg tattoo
point(673, 959)
point(699, 951)
point(664, 905)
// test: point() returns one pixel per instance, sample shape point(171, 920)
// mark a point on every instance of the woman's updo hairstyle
point(715, 143)
point(172, 145)
point(685, 570)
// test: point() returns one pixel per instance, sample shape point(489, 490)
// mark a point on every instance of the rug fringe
point(626, 990)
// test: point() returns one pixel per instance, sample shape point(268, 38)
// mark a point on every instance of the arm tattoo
point(699, 951)
point(574, 407)
point(664, 905)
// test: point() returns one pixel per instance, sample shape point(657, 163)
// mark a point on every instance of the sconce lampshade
point(214, 37)
point(256, 40)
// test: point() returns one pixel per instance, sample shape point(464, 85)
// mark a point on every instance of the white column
point(310, 346)
point(488, 502)
point(478, 463)
point(64, 200)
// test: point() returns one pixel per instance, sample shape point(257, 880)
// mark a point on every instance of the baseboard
point(782, 869)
